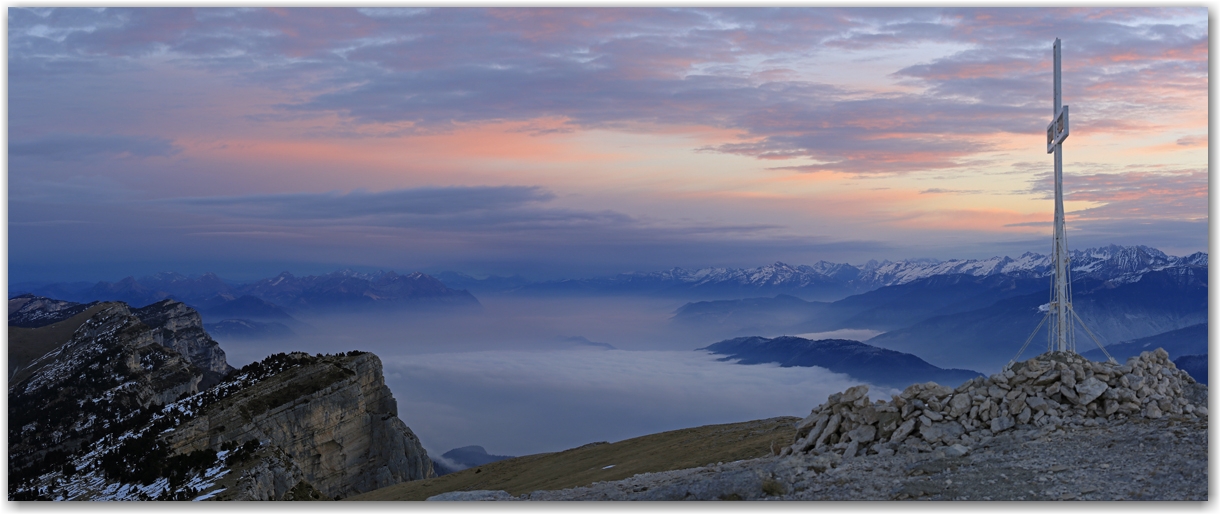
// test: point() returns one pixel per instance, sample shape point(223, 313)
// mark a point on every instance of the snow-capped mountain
point(778, 274)
point(1104, 263)
point(829, 281)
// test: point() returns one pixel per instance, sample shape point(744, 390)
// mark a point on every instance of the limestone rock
point(812, 437)
point(887, 423)
point(1002, 423)
point(177, 326)
point(941, 432)
point(810, 422)
point(864, 433)
point(903, 431)
point(271, 478)
point(338, 423)
point(851, 449)
point(1046, 378)
point(1050, 391)
point(831, 426)
point(1090, 390)
point(854, 393)
point(956, 450)
point(960, 404)
point(113, 362)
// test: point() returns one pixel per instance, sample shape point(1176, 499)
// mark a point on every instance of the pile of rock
point(1050, 391)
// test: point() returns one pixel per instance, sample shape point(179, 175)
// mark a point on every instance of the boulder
point(960, 404)
point(941, 432)
point(831, 426)
point(864, 433)
point(903, 431)
point(1002, 423)
point(956, 450)
point(854, 393)
point(1090, 390)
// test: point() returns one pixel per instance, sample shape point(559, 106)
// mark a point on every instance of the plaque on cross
point(1057, 131)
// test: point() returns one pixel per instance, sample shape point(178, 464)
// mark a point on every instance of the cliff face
point(111, 368)
point(333, 417)
point(112, 356)
point(177, 326)
point(119, 412)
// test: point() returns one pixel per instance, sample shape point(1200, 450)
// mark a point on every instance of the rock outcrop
point(111, 369)
point(179, 327)
point(1052, 390)
point(122, 411)
point(333, 416)
point(112, 356)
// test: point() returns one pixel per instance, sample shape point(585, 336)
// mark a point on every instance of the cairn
point(1046, 393)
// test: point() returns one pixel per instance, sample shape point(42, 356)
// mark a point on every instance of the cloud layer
point(612, 67)
point(519, 403)
point(697, 131)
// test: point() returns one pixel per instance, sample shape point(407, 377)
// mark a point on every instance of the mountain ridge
point(141, 404)
point(825, 280)
point(266, 299)
point(861, 361)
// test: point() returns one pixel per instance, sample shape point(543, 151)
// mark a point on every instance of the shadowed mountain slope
point(861, 361)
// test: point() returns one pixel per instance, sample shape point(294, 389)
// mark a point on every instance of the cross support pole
point(1061, 334)
point(1061, 327)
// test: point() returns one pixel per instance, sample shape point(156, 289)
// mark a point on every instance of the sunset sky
point(574, 142)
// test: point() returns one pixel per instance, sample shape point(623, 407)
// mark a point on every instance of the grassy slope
point(666, 451)
point(27, 344)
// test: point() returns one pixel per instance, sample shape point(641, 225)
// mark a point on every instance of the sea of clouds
point(531, 375)
point(524, 402)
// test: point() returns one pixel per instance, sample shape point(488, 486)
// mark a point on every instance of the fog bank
point(519, 402)
point(530, 375)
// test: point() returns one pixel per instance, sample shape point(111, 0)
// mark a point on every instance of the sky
point(574, 142)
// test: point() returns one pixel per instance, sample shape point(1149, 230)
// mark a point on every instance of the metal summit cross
point(1061, 336)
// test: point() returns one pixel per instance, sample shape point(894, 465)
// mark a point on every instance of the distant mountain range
point(1182, 342)
point(990, 335)
point(267, 300)
point(865, 362)
point(831, 281)
point(980, 320)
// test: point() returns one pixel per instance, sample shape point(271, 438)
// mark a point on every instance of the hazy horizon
point(248, 275)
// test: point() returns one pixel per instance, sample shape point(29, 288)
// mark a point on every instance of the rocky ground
point(1057, 427)
point(1132, 460)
